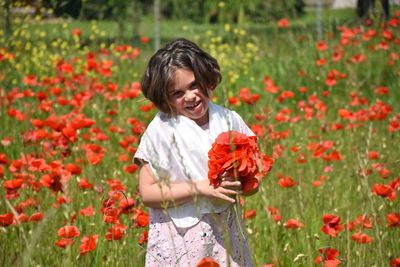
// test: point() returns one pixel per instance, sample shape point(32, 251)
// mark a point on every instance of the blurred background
point(129, 19)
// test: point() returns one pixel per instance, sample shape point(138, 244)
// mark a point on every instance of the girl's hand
point(224, 191)
point(254, 189)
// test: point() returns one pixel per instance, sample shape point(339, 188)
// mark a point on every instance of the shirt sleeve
point(240, 125)
point(141, 152)
point(150, 151)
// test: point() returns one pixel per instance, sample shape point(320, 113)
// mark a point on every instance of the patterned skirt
point(217, 235)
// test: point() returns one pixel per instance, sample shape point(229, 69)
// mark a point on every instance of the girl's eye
point(193, 86)
point(177, 94)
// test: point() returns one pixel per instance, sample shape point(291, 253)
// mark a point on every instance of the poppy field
point(327, 111)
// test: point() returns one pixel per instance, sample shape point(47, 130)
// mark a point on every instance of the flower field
point(327, 111)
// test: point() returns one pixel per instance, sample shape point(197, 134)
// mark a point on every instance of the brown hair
point(178, 54)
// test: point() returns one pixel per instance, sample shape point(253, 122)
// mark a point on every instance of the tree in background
point(129, 12)
point(120, 11)
point(232, 11)
point(365, 7)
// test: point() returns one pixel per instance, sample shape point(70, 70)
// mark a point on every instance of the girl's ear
point(213, 88)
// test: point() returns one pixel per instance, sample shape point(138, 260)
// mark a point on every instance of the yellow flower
point(227, 27)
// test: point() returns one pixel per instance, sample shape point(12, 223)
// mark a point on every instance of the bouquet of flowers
point(237, 155)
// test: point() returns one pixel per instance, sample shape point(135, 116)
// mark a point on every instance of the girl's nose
point(189, 95)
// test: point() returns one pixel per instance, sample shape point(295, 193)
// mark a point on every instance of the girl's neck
point(205, 126)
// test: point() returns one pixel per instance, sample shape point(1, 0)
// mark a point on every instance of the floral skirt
point(217, 235)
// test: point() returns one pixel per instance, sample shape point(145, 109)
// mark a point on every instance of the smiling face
point(186, 98)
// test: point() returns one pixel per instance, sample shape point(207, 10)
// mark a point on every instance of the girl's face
point(186, 97)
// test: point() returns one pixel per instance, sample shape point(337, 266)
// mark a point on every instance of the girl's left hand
point(226, 182)
point(226, 177)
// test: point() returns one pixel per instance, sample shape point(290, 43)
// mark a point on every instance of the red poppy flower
point(394, 124)
point(321, 46)
point(64, 242)
point(285, 95)
point(249, 214)
point(233, 100)
point(328, 257)
point(126, 205)
point(74, 169)
point(13, 184)
point(140, 218)
point(6, 219)
point(382, 90)
point(321, 62)
point(52, 181)
point(69, 231)
point(207, 262)
point(3, 159)
point(239, 156)
point(144, 39)
point(373, 155)
point(89, 211)
point(88, 243)
point(138, 126)
point(395, 183)
point(23, 218)
point(332, 156)
point(384, 191)
point(283, 23)
point(247, 96)
point(116, 232)
point(274, 212)
point(286, 182)
point(143, 237)
point(94, 153)
point(362, 238)
point(84, 184)
point(111, 215)
point(76, 32)
point(36, 217)
point(301, 158)
point(131, 168)
point(258, 129)
point(30, 80)
point(393, 219)
point(332, 225)
point(395, 262)
point(364, 221)
point(293, 224)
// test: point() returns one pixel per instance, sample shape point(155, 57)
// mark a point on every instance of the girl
point(189, 218)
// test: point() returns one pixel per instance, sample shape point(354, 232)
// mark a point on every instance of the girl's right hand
point(225, 191)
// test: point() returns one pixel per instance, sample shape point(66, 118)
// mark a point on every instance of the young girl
point(189, 218)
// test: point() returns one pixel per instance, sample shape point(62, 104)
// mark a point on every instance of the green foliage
point(231, 10)
point(210, 11)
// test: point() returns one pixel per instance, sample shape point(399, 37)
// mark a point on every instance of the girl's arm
point(157, 194)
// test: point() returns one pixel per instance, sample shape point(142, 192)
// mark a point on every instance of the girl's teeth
point(192, 106)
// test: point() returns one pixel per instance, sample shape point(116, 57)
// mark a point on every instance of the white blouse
point(176, 149)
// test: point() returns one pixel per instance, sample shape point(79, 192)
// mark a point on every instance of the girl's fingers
point(234, 184)
point(226, 198)
point(229, 192)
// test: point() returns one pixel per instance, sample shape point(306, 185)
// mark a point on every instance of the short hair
point(178, 54)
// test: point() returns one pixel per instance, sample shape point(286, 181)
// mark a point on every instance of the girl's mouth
point(193, 106)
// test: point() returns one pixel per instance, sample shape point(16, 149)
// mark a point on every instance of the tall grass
point(287, 56)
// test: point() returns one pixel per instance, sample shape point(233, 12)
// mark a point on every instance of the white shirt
point(176, 149)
